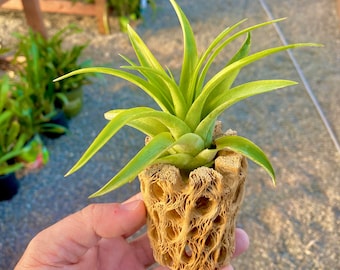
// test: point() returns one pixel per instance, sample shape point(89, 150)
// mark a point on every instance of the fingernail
point(130, 206)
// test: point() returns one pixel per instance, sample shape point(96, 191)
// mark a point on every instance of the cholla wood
point(191, 219)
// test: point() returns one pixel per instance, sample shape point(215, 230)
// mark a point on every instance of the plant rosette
point(192, 174)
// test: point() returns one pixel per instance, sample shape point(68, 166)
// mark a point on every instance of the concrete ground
point(294, 225)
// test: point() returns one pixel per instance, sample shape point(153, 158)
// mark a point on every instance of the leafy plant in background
point(46, 59)
point(20, 147)
point(125, 10)
point(36, 84)
point(11, 139)
point(192, 174)
point(20, 150)
point(60, 61)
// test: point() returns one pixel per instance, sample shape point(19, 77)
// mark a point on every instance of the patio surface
point(294, 225)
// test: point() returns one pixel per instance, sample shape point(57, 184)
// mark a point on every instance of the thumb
point(70, 238)
point(98, 221)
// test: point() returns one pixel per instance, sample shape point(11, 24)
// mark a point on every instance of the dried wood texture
point(191, 219)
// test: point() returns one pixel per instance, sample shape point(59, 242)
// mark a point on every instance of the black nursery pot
point(59, 119)
point(9, 186)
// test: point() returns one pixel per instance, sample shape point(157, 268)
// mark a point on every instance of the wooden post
point(102, 17)
point(33, 10)
point(34, 16)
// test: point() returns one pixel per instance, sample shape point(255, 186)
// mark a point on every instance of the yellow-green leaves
point(144, 158)
point(182, 132)
point(234, 95)
point(247, 148)
point(190, 57)
point(176, 129)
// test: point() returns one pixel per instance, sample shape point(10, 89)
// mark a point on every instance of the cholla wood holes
point(191, 219)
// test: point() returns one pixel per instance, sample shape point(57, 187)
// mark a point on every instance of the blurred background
point(294, 225)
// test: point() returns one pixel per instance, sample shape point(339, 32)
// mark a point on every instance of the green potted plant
point(21, 150)
point(192, 174)
point(36, 84)
point(12, 142)
point(34, 154)
point(60, 61)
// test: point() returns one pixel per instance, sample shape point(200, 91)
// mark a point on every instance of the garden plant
point(127, 11)
point(192, 174)
point(21, 149)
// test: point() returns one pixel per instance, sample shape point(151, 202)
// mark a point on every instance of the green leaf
point(5, 84)
point(149, 126)
point(155, 80)
point(148, 63)
point(247, 148)
point(164, 82)
point(10, 168)
point(234, 95)
point(229, 80)
point(174, 125)
point(188, 162)
point(10, 155)
point(189, 143)
point(222, 45)
point(124, 117)
point(143, 158)
point(195, 112)
point(144, 55)
point(52, 128)
point(148, 88)
point(190, 57)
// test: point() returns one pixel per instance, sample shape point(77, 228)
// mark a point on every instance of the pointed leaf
point(164, 82)
point(248, 149)
point(143, 158)
point(196, 109)
point(148, 88)
point(148, 126)
point(190, 57)
point(229, 80)
point(234, 95)
point(175, 125)
point(224, 44)
point(144, 55)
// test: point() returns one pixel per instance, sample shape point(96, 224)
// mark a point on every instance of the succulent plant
point(190, 174)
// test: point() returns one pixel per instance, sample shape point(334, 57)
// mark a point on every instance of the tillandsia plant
point(192, 174)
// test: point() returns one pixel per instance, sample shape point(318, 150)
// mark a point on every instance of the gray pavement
point(292, 226)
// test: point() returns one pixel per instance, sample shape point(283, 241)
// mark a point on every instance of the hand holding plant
point(192, 174)
point(103, 241)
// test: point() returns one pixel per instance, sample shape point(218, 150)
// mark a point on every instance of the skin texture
point(96, 238)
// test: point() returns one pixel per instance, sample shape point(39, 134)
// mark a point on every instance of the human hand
point(96, 238)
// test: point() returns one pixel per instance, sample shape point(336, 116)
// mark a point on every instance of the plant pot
point(57, 126)
point(74, 102)
point(191, 218)
point(9, 186)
